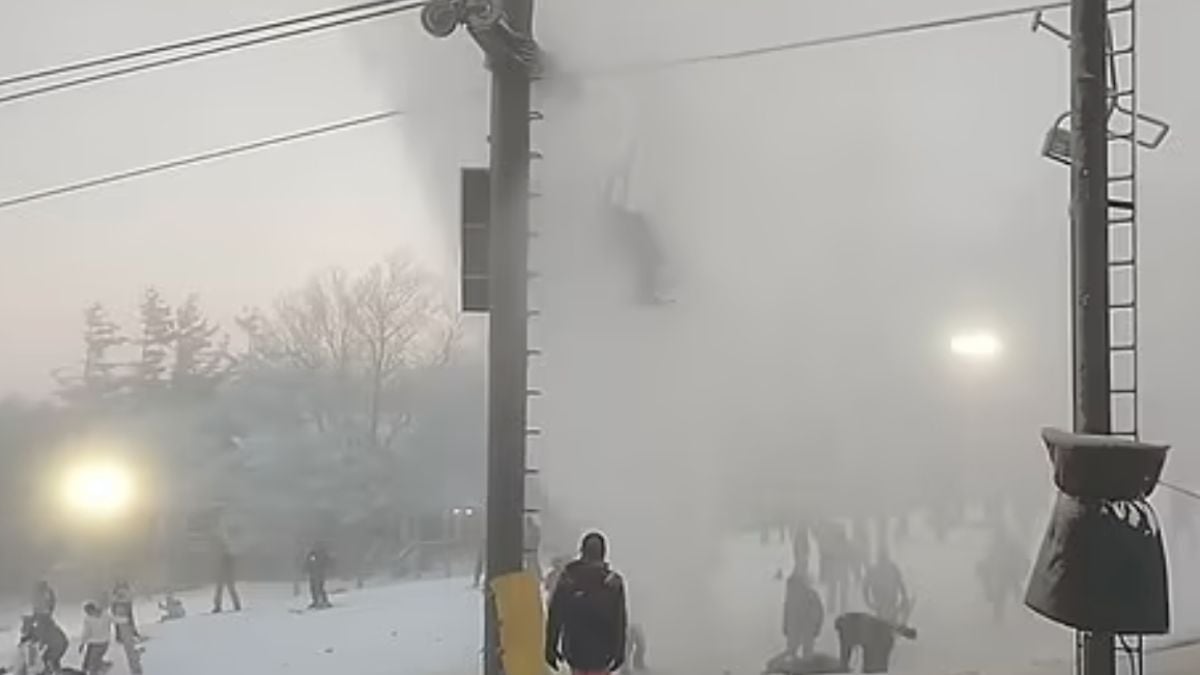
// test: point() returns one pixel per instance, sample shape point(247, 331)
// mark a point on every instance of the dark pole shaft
point(507, 331)
point(1089, 248)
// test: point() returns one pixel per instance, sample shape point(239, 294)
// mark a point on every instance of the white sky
point(236, 231)
point(239, 231)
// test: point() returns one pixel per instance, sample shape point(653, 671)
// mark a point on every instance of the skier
point(225, 576)
point(587, 623)
point(884, 590)
point(317, 565)
point(97, 633)
point(803, 615)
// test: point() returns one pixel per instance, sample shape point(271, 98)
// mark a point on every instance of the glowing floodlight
point(980, 346)
point(101, 490)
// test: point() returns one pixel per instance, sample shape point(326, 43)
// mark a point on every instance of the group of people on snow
point(43, 644)
point(870, 633)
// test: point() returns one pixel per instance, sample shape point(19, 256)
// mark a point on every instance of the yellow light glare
point(99, 490)
point(980, 345)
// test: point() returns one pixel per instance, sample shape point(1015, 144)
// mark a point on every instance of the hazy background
point(831, 218)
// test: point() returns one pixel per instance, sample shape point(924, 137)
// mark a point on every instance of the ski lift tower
point(1099, 139)
point(495, 280)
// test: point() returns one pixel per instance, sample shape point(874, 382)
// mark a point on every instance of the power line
point(192, 42)
point(211, 51)
point(836, 39)
point(1181, 490)
point(200, 158)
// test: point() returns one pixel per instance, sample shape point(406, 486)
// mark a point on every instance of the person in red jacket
point(587, 624)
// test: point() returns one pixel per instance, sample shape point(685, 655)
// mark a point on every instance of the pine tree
point(156, 341)
point(97, 379)
point(199, 362)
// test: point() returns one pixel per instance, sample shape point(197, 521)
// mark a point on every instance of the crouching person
point(873, 636)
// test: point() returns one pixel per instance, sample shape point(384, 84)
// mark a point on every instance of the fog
point(830, 220)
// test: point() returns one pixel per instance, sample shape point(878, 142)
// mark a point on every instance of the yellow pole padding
point(522, 636)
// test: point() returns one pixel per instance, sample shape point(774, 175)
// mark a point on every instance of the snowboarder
point(97, 633)
point(317, 565)
point(803, 614)
point(226, 579)
point(587, 623)
point(884, 590)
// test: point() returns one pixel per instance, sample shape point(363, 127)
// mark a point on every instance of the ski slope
point(433, 626)
point(428, 627)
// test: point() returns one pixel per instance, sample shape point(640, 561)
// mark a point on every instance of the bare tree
point(403, 322)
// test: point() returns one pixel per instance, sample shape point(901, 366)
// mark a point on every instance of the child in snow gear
point(97, 632)
point(317, 566)
point(172, 608)
point(587, 623)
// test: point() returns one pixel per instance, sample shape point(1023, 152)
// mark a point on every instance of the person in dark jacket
point(884, 591)
point(803, 615)
point(587, 624)
point(51, 639)
point(317, 565)
point(226, 577)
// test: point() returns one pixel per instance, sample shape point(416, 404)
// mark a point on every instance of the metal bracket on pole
point(487, 23)
point(1040, 23)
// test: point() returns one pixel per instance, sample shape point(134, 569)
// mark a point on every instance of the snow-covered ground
point(433, 627)
point(428, 627)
